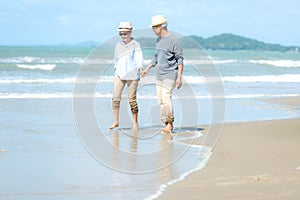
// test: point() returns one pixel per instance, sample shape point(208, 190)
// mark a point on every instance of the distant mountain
point(228, 41)
point(224, 41)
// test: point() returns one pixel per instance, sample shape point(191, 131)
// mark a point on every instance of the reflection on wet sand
point(134, 137)
point(148, 150)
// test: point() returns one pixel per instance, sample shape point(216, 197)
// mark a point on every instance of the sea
point(56, 110)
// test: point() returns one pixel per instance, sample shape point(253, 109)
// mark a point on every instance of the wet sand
point(252, 160)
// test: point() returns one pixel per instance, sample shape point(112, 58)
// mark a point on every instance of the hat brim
point(125, 29)
point(159, 23)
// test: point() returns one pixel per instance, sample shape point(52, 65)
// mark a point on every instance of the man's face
point(157, 29)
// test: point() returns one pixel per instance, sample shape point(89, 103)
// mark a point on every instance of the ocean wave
point(71, 80)
point(220, 62)
point(68, 95)
point(285, 78)
point(271, 63)
point(86, 60)
point(41, 60)
point(55, 60)
point(47, 67)
point(25, 59)
point(37, 81)
point(278, 63)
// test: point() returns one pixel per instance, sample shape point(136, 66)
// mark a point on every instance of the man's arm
point(146, 71)
point(179, 77)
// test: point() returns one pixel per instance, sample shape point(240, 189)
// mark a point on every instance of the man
point(168, 60)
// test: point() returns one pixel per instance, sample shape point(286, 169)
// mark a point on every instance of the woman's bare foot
point(168, 128)
point(115, 125)
point(135, 127)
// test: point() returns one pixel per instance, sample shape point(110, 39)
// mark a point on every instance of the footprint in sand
point(262, 178)
point(232, 180)
point(238, 180)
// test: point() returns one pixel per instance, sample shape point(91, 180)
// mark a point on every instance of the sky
point(51, 22)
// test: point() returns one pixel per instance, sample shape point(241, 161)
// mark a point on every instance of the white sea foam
point(35, 95)
point(278, 63)
point(40, 60)
point(68, 95)
point(47, 67)
point(25, 59)
point(199, 62)
point(83, 60)
point(163, 187)
point(103, 79)
point(35, 81)
point(65, 95)
point(55, 60)
point(271, 63)
point(219, 62)
point(285, 78)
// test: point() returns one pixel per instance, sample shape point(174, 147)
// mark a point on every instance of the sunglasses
point(124, 34)
point(155, 27)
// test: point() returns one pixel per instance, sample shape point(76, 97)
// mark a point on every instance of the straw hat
point(158, 20)
point(125, 26)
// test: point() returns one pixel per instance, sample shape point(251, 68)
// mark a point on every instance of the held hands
point(144, 72)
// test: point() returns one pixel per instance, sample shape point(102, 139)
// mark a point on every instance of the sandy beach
point(252, 160)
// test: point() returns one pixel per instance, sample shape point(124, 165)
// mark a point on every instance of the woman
point(128, 66)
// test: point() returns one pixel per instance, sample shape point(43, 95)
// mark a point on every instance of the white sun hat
point(125, 26)
point(158, 20)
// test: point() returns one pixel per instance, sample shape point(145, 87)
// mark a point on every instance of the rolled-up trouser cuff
point(115, 105)
point(170, 120)
point(134, 107)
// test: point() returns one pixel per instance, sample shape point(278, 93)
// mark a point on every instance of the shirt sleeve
point(154, 59)
point(138, 56)
point(178, 52)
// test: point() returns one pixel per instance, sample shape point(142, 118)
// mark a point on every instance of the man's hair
point(165, 25)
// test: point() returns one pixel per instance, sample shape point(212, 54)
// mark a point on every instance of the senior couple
point(168, 61)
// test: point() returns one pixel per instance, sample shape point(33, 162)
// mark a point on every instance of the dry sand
point(253, 160)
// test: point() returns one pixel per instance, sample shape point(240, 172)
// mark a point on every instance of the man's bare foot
point(115, 125)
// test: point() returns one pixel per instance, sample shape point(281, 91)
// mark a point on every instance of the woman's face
point(125, 35)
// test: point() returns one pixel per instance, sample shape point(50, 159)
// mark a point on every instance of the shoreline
point(252, 160)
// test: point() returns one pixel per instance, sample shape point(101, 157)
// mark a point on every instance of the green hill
point(235, 42)
point(224, 41)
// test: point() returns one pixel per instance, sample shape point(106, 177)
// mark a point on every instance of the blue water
point(52, 152)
